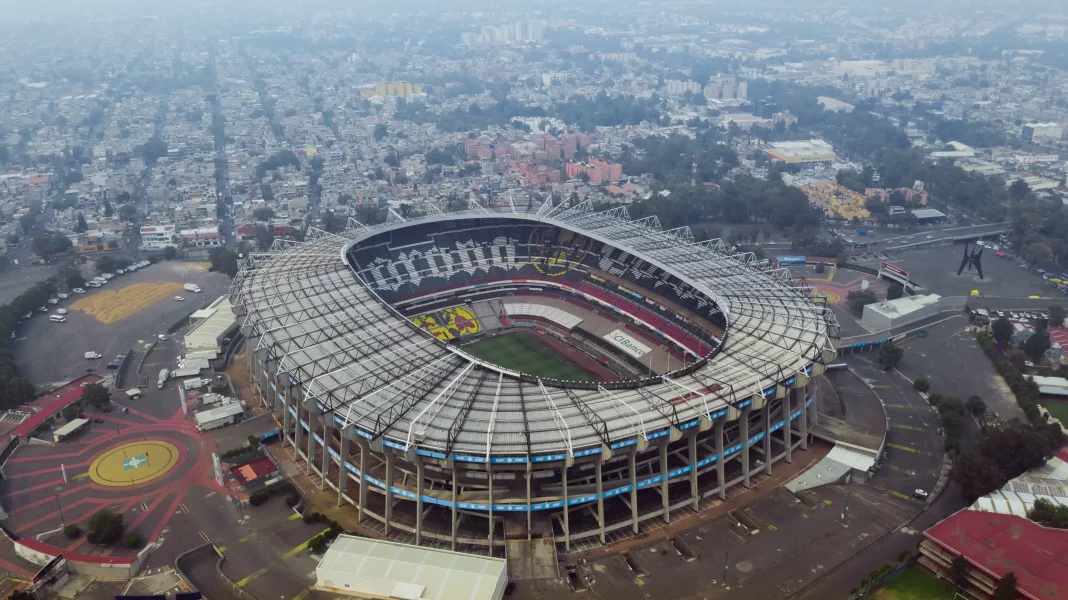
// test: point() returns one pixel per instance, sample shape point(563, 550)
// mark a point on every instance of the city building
point(673, 87)
point(914, 195)
point(201, 237)
point(726, 87)
point(801, 152)
point(211, 326)
point(1041, 132)
point(597, 170)
point(400, 89)
point(157, 237)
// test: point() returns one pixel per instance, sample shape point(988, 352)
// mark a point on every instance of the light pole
point(55, 494)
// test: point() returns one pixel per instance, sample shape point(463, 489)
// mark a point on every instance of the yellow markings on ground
point(638, 581)
point(134, 463)
point(832, 297)
point(248, 579)
point(222, 548)
point(771, 527)
point(804, 515)
point(109, 306)
point(303, 594)
point(897, 406)
point(302, 547)
point(830, 276)
point(908, 427)
point(827, 502)
point(293, 517)
point(735, 534)
point(79, 476)
point(242, 540)
point(902, 496)
point(900, 447)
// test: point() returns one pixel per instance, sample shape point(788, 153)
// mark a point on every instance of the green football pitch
point(525, 353)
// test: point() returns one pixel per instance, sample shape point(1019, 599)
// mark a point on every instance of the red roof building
point(996, 544)
point(53, 403)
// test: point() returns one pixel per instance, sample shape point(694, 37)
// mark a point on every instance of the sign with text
point(627, 343)
point(894, 271)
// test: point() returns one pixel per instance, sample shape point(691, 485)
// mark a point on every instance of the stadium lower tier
point(447, 501)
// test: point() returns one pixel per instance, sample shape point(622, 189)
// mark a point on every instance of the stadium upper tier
point(319, 311)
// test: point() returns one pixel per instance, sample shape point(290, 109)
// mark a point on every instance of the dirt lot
point(109, 306)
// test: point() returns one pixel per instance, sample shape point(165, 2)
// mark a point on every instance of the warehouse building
point(211, 325)
point(882, 316)
point(220, 416)
point(365, 568)
point(801, 152)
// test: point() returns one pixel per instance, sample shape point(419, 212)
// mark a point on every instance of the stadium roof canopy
point(356, 357)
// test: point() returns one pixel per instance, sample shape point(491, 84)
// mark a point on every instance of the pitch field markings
point(525, 353)
point(134, 463)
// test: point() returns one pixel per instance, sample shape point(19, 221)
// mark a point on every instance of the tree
point(1019, 189)
point(380, 131)
point(123, 197)
point(976, 406)
point(1048, 514)
point(22, 595)
point(890, 354)
point(81, 226)
point(858, 299)
point(1055, 316)
point(1006, 588)
point(921, 385)
point(224, 260)
point(170, 253)
point(267, 192)
point(1002, 330)
point(71, 412)
point(977, 476)
point(128, 212)
point(71, 276)
point(264, 237)
point(958, 571)
point(263, 213)
point(105, 527)
point(895, 291)
point(96, 395)
point(1037, 344)
point(20, 390)
point(131, 541)
point(72, 531)
point(108, 210)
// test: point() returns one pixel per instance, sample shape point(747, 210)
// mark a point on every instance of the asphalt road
point(65, 344)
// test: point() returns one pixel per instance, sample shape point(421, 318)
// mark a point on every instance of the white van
point(57, 319)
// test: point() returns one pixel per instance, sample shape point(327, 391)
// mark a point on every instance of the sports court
point(524, 352)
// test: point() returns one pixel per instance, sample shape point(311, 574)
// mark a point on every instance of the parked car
point(922, 495)
point(78, 291)
point(179, 298)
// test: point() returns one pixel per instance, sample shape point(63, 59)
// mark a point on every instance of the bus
point(70, 430)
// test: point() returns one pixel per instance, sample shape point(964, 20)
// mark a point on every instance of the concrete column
point(567, 528)
point(364, 451)
point(287, 420)
point(600, 497)
point(389, 490)
point(744, 422)
point(342, 470)
point(721, 475)
point(489, 479)
point(692, 442)
point(298, 431)
point(802, 421)
point(633, 472)
point(419, 501)
point(455, 493)
point(787, 435)
point(765, 417)
point(328, 438)
point(813, 411)
point(529, 516)
point(665, 500)
point(311, 442)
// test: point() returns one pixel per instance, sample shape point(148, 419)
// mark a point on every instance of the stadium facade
point(424, 439)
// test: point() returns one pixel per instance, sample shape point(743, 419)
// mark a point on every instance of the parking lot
point(936, 270)
point(766, 550)
point(65, 344)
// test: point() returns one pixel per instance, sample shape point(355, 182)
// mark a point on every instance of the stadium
point(569, 373)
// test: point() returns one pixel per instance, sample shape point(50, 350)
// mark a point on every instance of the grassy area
point(1058, 410)
point(915, 584)
point(524, 352)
